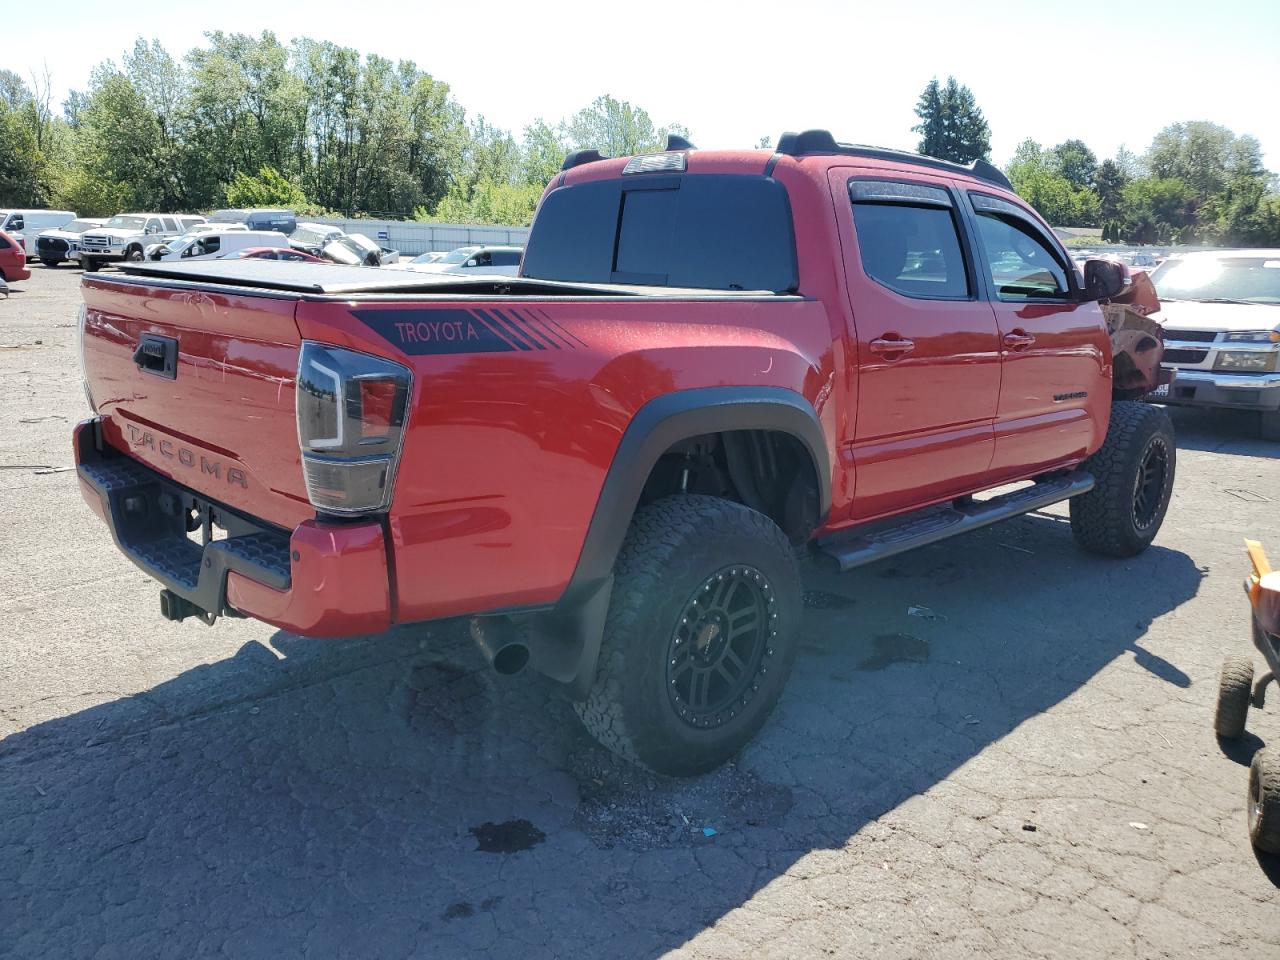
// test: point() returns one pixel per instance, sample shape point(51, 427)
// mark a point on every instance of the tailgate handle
point(158, 355)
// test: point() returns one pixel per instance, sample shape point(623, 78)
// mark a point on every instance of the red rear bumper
point(320, 579)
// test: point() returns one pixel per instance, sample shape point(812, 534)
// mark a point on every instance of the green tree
point(13, 90)
point(487, 202)
point(270, 188)
point(19, 185)
point(1075, 162)
point(1109, 186)
point(1159, 210)
point(543, 153)
point(617, 129)
point(1036, 177)
point(1109, 183)
point(951, 125)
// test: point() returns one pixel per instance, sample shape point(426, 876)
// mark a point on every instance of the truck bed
point(337, 280)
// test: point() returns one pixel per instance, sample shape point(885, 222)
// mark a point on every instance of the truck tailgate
point(209, 402)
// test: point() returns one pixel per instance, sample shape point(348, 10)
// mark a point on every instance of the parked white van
point(25, 225)
point(211, 244)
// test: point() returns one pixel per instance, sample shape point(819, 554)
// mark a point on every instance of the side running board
point(853, 549)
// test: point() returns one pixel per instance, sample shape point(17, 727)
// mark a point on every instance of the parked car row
point(503, 261)
point(58, 236)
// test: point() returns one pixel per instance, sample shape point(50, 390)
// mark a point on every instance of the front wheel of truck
point(700, 636)
point(1133, 473)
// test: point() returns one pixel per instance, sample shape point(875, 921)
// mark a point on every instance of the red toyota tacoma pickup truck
point(709, 360)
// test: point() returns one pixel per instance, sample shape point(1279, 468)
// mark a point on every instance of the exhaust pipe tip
point(501, 644)
point(511, 659)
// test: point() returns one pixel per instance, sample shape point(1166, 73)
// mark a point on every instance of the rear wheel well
point(768, 470)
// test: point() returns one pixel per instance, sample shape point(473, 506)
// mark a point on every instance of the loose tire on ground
point(1134, 471)
point(1264, 801)
point(695, 578)
point(1235, 692)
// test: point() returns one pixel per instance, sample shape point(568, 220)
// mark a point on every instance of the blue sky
point(1110, 74)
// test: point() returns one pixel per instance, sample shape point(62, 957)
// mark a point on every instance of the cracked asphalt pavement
point(1029, 770)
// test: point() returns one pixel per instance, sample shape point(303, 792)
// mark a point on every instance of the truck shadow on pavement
point(1221, 431)
point(390, 797)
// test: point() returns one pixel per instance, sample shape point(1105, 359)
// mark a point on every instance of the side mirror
point(1103, 279)
point(470, 263)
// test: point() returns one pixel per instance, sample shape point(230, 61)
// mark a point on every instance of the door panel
point(1054, 349)
point(927, 350)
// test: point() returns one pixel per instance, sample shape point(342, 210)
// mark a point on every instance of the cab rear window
point(709, 231)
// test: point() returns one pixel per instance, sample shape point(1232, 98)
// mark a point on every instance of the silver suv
point(126, 235)
point(1220, 310)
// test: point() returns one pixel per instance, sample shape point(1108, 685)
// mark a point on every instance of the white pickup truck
point(1220, 310)
point(126, 236)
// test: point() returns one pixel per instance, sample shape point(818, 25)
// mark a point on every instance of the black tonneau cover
point(337, 280)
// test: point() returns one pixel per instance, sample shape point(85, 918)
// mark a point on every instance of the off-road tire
point(1264, 801)
point(1106, 520)
point(134, 255)
point(1235, 693)
point(673, 547)
point(1269, 424)
point(90, 264)
point(50, 263)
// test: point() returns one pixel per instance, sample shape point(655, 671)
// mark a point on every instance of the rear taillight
point(351, 414)
point(82, 316)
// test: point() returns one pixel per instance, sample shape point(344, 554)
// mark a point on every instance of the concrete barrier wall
point(413, 238)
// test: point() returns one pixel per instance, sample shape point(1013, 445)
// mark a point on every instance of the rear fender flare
point(655, 428)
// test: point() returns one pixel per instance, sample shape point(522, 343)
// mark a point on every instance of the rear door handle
point(891, 348)
point(1018, 340)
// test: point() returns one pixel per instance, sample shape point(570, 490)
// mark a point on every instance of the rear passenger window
point(704, 231)
point(506, 258)
point(907, 239)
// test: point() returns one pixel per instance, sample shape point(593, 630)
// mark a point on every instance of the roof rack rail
point(821, 141)
point(579, 157)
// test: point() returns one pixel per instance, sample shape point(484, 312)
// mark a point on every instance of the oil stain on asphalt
point(511, 836)
point(891, 648)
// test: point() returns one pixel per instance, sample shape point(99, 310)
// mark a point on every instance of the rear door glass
point(908, 240)
point(707, 231)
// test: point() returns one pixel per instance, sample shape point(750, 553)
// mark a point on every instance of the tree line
point(249, 121)
point(1197, 183)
